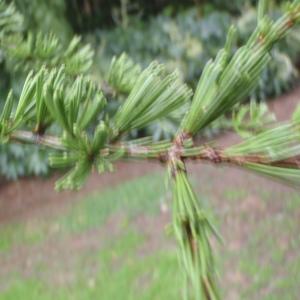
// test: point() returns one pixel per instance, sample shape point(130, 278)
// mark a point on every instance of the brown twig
point(177, 152)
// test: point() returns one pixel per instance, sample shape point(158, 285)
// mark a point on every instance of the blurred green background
point(181, 34)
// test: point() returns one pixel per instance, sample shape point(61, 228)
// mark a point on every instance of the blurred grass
point(153, 277)
point(142, 195)
point(271, 258)
point(131, 198)
point(267, 261)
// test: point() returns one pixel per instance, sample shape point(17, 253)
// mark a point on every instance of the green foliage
point(36, 50)
point(71, 101)
point(251, 119)
point(281, 73)
point(123, 74)
point(185, 42)
point(11, 20)
point(188, 40)
point(223, 83)
point(32, 158)
point(276, 144)
point(192, 230)
point(155, 94)
point(40, 49)
point(40, 15)
point(52, 96)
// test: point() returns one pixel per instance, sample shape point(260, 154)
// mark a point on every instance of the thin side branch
point(165, 154)
point(28, 137)
point(207, 154)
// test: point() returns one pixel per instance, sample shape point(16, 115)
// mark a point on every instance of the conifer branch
point(88, 138)
point(29, 51)
point(226, 81)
